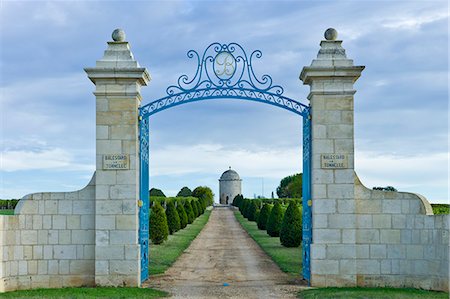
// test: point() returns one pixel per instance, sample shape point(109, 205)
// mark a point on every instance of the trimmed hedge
point(251, 210)
point(274, 222)
point(264, 216)
point(159, 230)
point(183, 216)
point(189, 211)
point(291, 227)
point(173, 219)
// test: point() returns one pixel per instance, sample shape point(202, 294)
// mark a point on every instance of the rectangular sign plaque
point(116, 161)
point(333, 161)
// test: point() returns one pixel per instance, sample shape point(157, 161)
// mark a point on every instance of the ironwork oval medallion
point(224, 65)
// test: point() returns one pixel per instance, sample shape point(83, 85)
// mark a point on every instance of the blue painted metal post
point(143, 193)
point(306, 194)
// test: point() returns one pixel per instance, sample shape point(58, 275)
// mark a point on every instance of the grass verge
point(288, 259)
point(164, 255)
point(75, 293)
point(360, 293)
point(6, 212)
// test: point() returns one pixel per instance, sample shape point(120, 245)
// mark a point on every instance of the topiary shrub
point(264, 216)
point(182, 214)
point(275, 219)
point(189, 211)
point(184, 192)
point(194, 208)
point(291, 227)
point(244, 207)
point(173, 219)
point(159, 229)
point(199, 207)
point(258, 211)
point(251, 210)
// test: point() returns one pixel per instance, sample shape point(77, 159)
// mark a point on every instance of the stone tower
point(229, 186)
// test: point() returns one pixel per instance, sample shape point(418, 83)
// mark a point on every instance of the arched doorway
point(224, 72)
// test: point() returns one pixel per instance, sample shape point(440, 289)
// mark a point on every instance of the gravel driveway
point(224, 262)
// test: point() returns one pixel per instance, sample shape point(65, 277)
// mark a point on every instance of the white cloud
point(414, 22)
point(213, 158)
point(16, 160)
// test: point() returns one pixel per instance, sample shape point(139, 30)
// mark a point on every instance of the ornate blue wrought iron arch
point(223, 71)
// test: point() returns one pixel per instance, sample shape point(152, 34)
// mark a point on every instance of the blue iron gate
point(144, 204)
point(224, 71)
point(306, 195)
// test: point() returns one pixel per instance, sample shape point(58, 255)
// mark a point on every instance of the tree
point(291, 227)
point(182, 214)
point(290, 186)
point(264, 216)
point(237, 200)
point(205, 193)
point(275, 219)
point(251, 210)
point(173, 219)
point(195, 208)
point(156, 192)
point(184, 192)
point(159, 230)
point(189, 211)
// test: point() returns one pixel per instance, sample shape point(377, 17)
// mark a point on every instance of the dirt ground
point(224, 262)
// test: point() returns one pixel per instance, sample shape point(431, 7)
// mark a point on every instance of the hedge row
point(176, 215)
point(277, 219)
point(8, 204)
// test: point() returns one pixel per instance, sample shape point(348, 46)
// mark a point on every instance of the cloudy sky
point(47, 106)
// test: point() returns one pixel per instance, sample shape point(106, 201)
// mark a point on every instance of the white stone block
point(105, 222)
point(73, 222)
point(23, 267)
point(83, 237)
point(42, 237)
point(37, 222)
point(414, 252)
point(129, 207)
point(29, 237)
point(126, 222)
point(390, 236)
point(102, 237)
point(27, 252)
point(324, 206)
point(123, 237)
point(368, 267)
point(405, 236)
point(89, 252)
point(340, 251)
point(346, 267)
point(111, 253)
point(101, 267)
point(87, 221)
point(132, 252)
point(319, 191)
point(320, 221)
point(381, 221)
point(83, 207)
point(340, 191)
point(109, 207)
point(392, 206)
point(340, 131)
point(362, 251)
point(321, 176)
point(367, 236)
point(342, 220)
point(123, 191)
point(319, 131)
point(396, 251)
point(378, 251)
point(59, 222)
point(364, 221)
point(84, 267)
point(64, 267)
point(65, 207)
point(349, 236)
point(344, 176)
point(46, 221)
point(105, 177)
point(53, 267)
point(108, 147)
point(399, 221)
point(51, 207)
point(124, 267)
point(318, 251)
point(102, 132)
point(42, 267)
point(326, 236)
point(344, 145)
point(324, 267)
point(48, 252)
point(323, 146)
point(345, 206)
point(65, 237)
point(65, 252)
point(368, 206)
point(53, 237)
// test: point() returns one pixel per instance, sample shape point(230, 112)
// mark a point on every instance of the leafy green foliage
point(237, 200)
point(387, 188)
point(87, 293)
point(439, 209)
point(290, 186)
point(251, 210)
point(195, 208)
point(183, 216)
point(264, 216)
point(8, 204)
point(184, 192)
point(203, 192)
point(156, 192)
point(291, 227)
point(275, 219)
point(173, 219)
point(189, 211)
point(159, 229)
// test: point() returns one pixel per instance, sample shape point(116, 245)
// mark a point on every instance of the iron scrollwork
point(224, 71)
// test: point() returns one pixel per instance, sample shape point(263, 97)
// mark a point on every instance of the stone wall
point(50, 241)
point(399, 241)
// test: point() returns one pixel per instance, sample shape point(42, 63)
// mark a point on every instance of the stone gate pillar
point(331, 77)
point(118, 79)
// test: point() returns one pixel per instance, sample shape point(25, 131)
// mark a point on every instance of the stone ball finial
point(118, 35)
point(331, 34)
